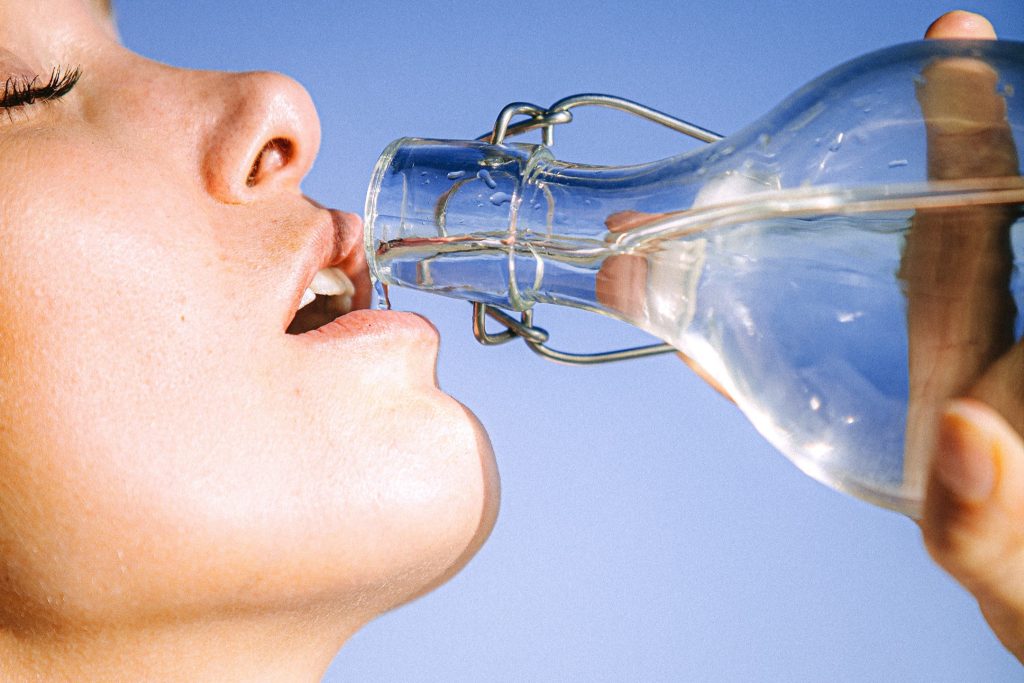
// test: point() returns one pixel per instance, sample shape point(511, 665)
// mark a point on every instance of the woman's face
point(166, 448)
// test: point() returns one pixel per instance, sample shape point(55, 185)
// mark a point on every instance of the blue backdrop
point(647, 532)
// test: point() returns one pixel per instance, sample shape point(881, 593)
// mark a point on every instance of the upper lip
point(335, 242)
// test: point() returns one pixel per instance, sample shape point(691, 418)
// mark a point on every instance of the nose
point(262, 139)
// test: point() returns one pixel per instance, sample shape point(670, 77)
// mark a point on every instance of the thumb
point(959, 24)
point(973, 520)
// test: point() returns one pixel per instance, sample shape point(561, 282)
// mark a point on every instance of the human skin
point(187, 492)
point(957, 262)
point(973, 523)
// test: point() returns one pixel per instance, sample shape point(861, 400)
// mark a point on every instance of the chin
point(482, 515)
point(400, 509)
point(460, 518)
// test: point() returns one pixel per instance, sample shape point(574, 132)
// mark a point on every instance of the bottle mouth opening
point(370, 208)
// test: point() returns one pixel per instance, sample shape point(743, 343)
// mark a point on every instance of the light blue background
point(647, 532)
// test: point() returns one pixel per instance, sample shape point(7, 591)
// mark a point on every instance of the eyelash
point(20, 92)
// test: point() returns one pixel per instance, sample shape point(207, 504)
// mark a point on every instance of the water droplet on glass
point(455, 175)
point(896, 163)
point(849, 316)
point(485, 175)
point(815, 403)
point(383, 298)
point(836, 143)
point(499, 198)
point(864, 103)
point(1006, 89)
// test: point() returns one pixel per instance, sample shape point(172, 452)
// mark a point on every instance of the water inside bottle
point(803, 319)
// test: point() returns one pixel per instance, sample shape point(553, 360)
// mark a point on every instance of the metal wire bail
point(546, 119)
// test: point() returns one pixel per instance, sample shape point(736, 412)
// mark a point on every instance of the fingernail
point(965, 454)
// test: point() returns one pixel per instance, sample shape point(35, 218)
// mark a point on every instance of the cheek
point(100, 308)
point(139, 442)
point(120, 393)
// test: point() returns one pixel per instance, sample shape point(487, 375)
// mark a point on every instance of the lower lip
point(384, 327)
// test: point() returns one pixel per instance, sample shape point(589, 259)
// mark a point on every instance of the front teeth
point(329, 282)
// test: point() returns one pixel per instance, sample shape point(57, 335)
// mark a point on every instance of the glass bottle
point(839, 268)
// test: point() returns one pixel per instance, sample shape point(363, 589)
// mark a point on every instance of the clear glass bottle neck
point(511, 226)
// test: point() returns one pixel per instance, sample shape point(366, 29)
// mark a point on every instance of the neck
point(290, 647)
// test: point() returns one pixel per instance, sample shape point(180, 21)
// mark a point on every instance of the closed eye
point(20, 92)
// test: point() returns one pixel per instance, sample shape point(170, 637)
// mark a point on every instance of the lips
point(334, 280)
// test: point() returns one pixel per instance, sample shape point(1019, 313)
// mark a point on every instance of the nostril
point(275, 155)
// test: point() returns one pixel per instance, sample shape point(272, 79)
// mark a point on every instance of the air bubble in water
point(499, 198)
point(485, 175)
point(455, 175)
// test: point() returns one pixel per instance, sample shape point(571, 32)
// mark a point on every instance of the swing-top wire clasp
point(546, 119)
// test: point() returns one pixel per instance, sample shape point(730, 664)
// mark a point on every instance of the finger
point(1002, 387)
point(956, 263)
point(621, 221)
point(965, 118)
point(956, 271)
point(959, 24)
point(622, 280)
point(974, 513)
point(621, 285)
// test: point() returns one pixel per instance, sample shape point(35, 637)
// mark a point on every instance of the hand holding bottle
point(973, 520)
point(955, 271)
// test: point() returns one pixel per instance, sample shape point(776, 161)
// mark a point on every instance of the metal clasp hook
point(546, 119)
